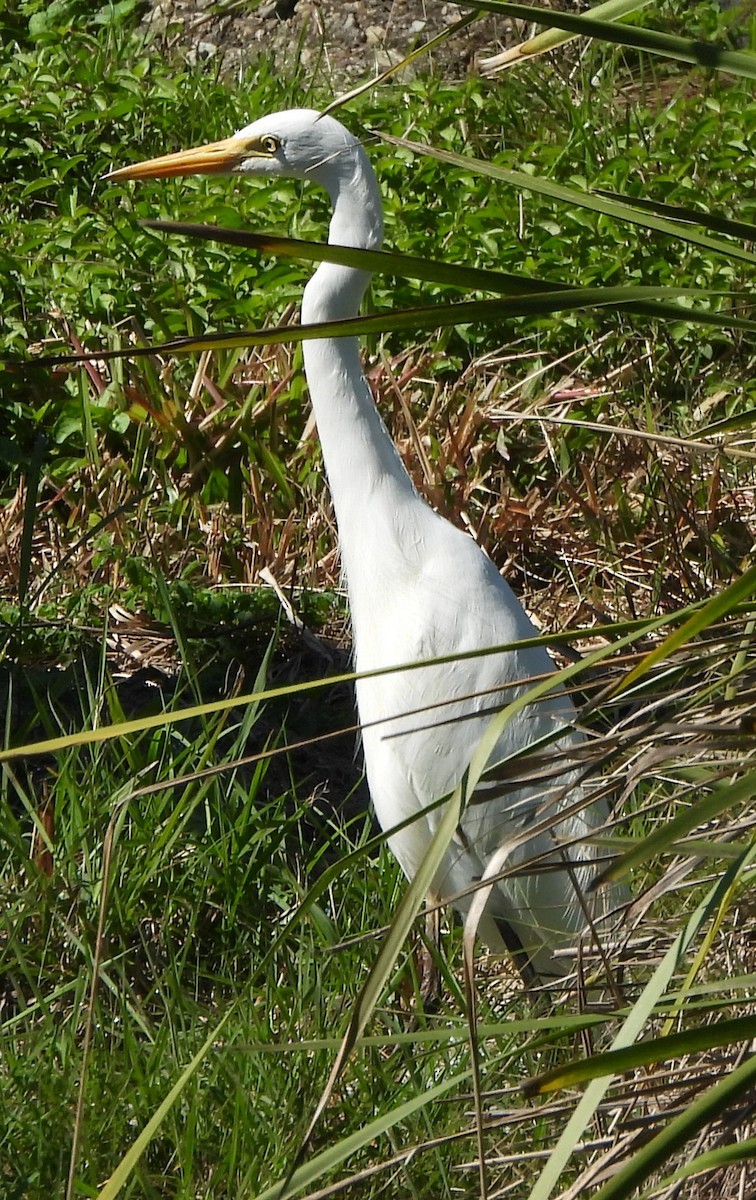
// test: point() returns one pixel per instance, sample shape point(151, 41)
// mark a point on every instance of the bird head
point(295, 144)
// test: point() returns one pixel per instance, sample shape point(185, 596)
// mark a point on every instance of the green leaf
point(438, 316)
point(50, 20)
point(655, 1050)
point(557, 191)
point(711, 1160)
point(677, 212)
point(699, 1113)
point(721, 798)
point(720, 606)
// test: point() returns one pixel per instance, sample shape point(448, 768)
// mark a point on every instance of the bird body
point(420, 589)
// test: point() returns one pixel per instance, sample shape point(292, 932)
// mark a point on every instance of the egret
point(419, 588)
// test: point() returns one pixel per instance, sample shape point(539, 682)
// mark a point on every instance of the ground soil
point(338, 43)
point(335, 42)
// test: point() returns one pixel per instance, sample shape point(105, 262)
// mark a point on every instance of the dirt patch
point(336, 42)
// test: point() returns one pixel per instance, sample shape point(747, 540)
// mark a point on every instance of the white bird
point(418, 589)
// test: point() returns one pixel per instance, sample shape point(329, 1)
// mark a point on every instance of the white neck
point(367, 479)
point(357, 220)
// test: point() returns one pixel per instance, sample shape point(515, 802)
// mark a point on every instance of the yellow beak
point(216, 158)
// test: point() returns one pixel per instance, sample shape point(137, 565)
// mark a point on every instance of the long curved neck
point(366, 476)
point(335, 292)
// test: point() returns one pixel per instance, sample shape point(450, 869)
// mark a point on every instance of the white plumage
point(419, 588)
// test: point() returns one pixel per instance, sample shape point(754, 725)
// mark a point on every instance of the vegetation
point(204, 880)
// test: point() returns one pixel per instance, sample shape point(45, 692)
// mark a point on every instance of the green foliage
point(76, 264)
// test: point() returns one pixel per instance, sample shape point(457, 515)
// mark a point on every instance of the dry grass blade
point(542, 43)
point(396, 68)
point(701, 54)
point(631, 1030)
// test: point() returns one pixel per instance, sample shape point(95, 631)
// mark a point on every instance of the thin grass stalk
point(111, 836)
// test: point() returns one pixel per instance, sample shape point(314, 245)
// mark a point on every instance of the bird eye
point(269, 144)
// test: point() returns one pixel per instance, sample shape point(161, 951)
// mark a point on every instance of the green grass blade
point(722, 797)
point(311, 1171)
point(686, 50)
point(716, 609)
point(130, 1159)
point(693, 216)
point(656, 1050)
point(396, 67)
point(633, 1026)
point(611, 10)
point(744, 420)
point(407, 266)
point(391, 946)
point(724, 1156)
point(673, 1137)
point(379, 262)
point(629, 632)
point(414, 320)
point(31, 496)
point(589, 200)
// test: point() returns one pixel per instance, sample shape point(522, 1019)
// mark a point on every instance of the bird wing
point(421, 729)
